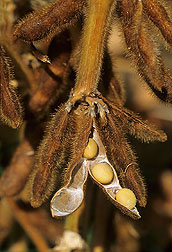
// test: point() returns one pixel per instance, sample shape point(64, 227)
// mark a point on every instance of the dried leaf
point(10, 108)
point(16, 174)
point(44, 95)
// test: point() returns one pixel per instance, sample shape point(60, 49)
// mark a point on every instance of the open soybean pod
point(69, 197)
point(120, 154)
point(113, 186)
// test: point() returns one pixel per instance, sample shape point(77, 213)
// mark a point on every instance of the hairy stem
point(93, 38)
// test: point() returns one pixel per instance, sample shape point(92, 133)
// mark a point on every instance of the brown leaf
point(16, 174)
point(44, 95)
point(10, 108)
point(60, 151)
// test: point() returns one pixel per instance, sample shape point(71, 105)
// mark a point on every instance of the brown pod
point(113, 85)
point(117, 90)
point(159, 16)
point(60, 151)
point(118, 151)
point(112, 129)
point(134, 125)
point(143, 50)
point(56, 16)
point(106, 178)
point(143, 130)
point(16, 174)
point(70, 196)
point(10, 108)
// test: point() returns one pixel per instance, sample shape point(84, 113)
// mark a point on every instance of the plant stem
point(93, 38)
point(33, 233)
point(72, 221)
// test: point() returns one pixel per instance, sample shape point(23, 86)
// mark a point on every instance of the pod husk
point(120, 154)
point(109, 189)
point(10, 108)
point(60, 151)
point(135, 125)
point(55, 17)
point(69, 198)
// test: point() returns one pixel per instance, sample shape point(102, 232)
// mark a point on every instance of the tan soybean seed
point(126, 198)
point(103, 173)
point(91, 149)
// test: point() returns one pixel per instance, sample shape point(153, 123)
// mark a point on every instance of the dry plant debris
point(76, 75)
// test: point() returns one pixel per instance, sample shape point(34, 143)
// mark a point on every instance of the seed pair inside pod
point(126, 198)
point(103, 173)
point(91, 149)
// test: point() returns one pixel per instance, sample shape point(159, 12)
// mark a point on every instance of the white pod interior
point(69, 198)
